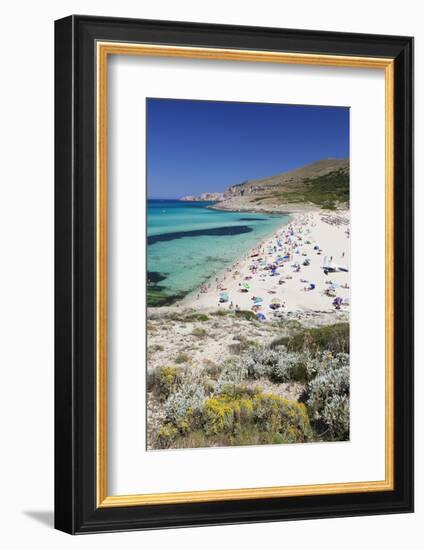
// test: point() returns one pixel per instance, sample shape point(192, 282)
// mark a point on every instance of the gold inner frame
point(103, 50)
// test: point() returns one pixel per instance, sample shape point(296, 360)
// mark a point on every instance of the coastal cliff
point(204, 197)
point(322, 184)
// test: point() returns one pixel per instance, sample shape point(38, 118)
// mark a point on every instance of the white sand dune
point(312, 236)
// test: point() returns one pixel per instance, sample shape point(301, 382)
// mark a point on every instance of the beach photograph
point(248, 274)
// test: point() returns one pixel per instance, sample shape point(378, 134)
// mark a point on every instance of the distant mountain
point(324, 184)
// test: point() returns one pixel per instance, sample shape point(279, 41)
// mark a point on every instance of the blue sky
point(199, 146)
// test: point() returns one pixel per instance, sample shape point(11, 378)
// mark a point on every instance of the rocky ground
point(186, 338)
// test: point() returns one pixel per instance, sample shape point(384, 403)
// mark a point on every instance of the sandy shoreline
point(237, 205)
point(191, 300)
point(274, 273)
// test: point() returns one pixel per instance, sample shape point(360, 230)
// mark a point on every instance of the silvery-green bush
point(259, 362)
point(327, 396)
point(291, 366)
point(336, 415)
point(279, 365)
point(324, 362)
point(189, 397)
point(232, 374)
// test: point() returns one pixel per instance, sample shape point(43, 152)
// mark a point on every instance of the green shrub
point(280, 341)
point(164, 380)
point(182, 358)
point(154, 348)
point(333, 338)
point(166, 436)
point(199, 332)
point(220, 313)
point(246, 314)
point(196, 317)
point(233, 391)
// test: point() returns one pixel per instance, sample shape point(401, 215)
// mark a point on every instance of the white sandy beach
point(274, 273)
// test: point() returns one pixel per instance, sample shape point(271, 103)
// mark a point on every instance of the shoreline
point(239, 206)
point(188, 298)
point(181, 301)
point(289, 286)
point(287, 209)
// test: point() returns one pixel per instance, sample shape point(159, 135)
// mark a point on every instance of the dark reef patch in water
point(155, 277)
point(215, 231)
point(158, 295)
point(253, 219)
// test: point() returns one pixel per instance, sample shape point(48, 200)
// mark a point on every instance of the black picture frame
point(76, 510)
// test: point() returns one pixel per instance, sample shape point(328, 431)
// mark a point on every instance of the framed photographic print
point(234, 274)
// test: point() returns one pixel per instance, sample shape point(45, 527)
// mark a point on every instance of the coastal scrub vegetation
point(182, 358)
point(327, 191)
point(243, 400)
point(238, 417)
point(333, 338)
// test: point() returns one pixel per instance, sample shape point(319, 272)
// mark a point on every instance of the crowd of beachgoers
point(304, 266)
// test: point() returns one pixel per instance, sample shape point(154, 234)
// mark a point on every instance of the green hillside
point(326, 191)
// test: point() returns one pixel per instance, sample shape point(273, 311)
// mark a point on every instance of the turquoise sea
point(187, 243)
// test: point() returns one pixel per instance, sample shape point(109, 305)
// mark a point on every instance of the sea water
point(188, 243)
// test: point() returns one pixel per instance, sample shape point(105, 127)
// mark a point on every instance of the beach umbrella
point(258, 300)
point(246, 285)
point(224, 296)
point(276, 301)
point(261, 317)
